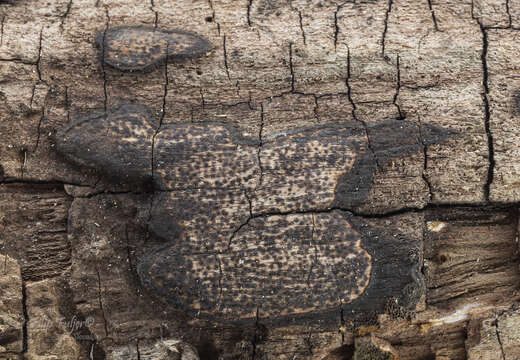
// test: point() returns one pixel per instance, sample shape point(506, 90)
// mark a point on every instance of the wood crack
point(397, 90)
point(291, 67)
point(249, 4)
point(387, 14)
point(25, 316)
point(2, 21)
point(260, 144)
point(101, 303)
point(487, 114)
point(38, 69)
point(432, 13)
point(65, 14)
point(300, 17)
point(353, 104)
point(224, 49)
point(156, 13)
point(336, 27)
point(103, 55)
point(497, 332)
point(508, 11)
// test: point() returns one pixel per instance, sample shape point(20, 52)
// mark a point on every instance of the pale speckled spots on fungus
point(227, 255)
point(137, 48)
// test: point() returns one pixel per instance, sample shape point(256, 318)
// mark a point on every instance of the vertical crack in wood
point(336, 27)
point(25, 317)
point(249, 4)
point(155, 12)
point(509, 18)
point(398, 89)
point(2, 20)
point(224, 49)
point(342, 324)
point(291, 67)
point(300, 17)
point(220, 277)
point(100, 300)
point(316, 110)
point(38, 69)
point(260, 144)
point(385, 29)
point(65, 14)
point(103, 58)
point(353, 104)
point(487, 114)
point(163, 112)
point(497, 332)
point(432, 13)
point(137, 350)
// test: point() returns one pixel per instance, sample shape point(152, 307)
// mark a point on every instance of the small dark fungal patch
point(137, 48)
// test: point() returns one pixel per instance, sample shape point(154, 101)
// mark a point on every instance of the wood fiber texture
point(391, 122)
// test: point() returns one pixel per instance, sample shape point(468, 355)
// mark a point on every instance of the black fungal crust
point(300, 264)
point(247, 232)
point(171, 272)
point(140, 48)
point(389, 140)
point(118, 143)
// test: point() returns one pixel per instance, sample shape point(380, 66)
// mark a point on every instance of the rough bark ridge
point(72, 238)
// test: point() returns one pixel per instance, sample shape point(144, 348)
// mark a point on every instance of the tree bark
point(438, 219)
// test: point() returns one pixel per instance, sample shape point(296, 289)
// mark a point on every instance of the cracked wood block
point(471, 257)
point(504, 87)
point(137, 48)
point(11, 308)
point(495, 337)
point(424, 40)
point(33, 223)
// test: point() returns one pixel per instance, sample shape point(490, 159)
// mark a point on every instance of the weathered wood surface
point(79, 233)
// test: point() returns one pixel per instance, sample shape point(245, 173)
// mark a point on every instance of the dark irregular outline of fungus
point(210, 206)
point(139, 48)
